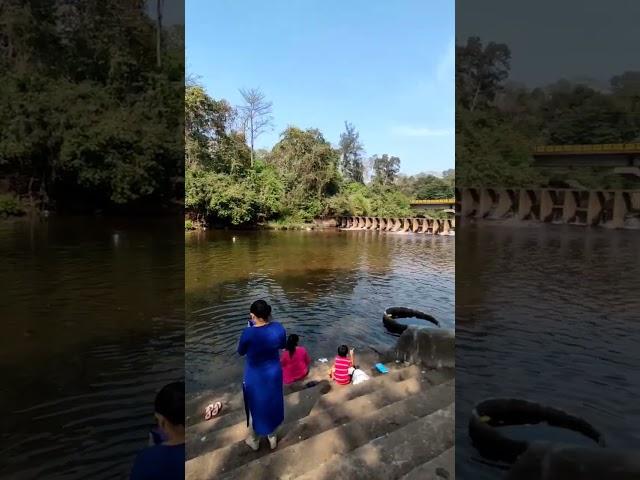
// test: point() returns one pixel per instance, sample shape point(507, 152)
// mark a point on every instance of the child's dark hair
point(343, 350)
point(170, 403)
point(261, 309)
point(292, 343)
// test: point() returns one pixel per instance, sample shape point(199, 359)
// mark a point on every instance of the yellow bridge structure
point(433, 204)
point(616, 155)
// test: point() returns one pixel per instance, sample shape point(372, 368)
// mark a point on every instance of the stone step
point(297, 459)
point(393, 455)
point(443, 467)
point(343, 393)
point(228, 450)
point(297, 405)
point(230, 393)
point(233, 404)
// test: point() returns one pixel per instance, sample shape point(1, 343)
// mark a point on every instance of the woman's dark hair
point(170, 403)
point(261, 309)
point(343, 350)
point(292, 343)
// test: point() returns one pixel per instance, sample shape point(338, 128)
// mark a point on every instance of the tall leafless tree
point(255, 114)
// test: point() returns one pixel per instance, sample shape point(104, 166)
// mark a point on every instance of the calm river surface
point(92, 325)
point(552, 314)
point(329, 287)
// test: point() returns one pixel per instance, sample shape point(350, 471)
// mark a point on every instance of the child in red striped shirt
point(341, 365)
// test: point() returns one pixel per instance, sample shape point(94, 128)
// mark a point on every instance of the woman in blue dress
point(262, 383)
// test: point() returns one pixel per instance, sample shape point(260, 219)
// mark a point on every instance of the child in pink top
point(295, 361)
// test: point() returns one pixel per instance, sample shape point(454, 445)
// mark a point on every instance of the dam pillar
point(524, 205)
point(569, 209)
point(595, 207)
point(620, 209)
point(469, 203)
point(485, 204)
point(428, 226)
point(546, 205)
point(504, 205)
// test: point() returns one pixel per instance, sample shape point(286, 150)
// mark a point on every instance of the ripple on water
point(328, 287)
point(548, 314)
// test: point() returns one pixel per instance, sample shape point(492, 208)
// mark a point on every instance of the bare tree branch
point(256, 115)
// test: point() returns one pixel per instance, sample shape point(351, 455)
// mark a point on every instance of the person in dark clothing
point(165, 461)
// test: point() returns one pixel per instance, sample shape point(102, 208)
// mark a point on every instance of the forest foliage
point(92, 115)
point(304, 176)
point(499, 122)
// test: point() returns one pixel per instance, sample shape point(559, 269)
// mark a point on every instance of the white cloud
point(408, 131)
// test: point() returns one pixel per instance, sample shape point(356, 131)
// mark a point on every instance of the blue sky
point(385, 66)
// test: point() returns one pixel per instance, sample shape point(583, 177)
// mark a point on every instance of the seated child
point(340, 369)
point(165, 460)
point(295, 361)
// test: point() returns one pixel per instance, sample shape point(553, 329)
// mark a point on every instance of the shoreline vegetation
point(304, 177)
point(93, 115)
point(499, 122)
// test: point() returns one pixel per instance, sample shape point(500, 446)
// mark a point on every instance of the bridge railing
point(435, 201)
point(603, 148)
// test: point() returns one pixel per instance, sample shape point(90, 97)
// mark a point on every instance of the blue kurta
point(262, 386)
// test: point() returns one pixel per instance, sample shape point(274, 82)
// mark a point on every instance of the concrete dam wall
point(430, 226)
point(608, 208)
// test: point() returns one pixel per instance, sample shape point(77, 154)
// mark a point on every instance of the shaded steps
point(291, 460)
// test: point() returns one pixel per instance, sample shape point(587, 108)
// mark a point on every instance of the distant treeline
point(302, 177)
point(498, 122)
point(91, 114)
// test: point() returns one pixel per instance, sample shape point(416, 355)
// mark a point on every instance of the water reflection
point(92, 313)
point(327, 286)
point(548, 313)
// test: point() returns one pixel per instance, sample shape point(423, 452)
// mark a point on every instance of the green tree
point(385, 169)
point(352, 152)
point(92, 121)
point(431, 187)
point(480, 71)
point(308, 164)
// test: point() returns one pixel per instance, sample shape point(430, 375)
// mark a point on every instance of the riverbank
point(285, 224)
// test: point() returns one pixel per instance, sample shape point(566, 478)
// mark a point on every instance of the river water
point(548, 313)
point(92, 325)
point(329, 287)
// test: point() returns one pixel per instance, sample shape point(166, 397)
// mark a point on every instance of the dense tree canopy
point(302, 177)
point(498, 123)
point(89, 118)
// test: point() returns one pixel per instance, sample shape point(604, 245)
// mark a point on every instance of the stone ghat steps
point(317, 411)
point(233, 407)
point(393, 456)
point(439, 468)
point(230, 393)
point(342, 420)
point(207, 436)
